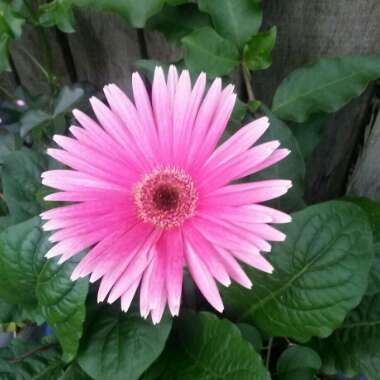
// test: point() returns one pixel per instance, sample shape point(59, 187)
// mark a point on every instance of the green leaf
point(53, 371)
point(67, 98)
point(9, 312)
point(11, 21)
point(236, 20)
point(208, 51)
point(324, 86)
point(7, 144)
point(57, 13)
point(121, 346)
point(22, 250)
point(320, 273)
point(372, 209)
point(251, 334)
point(308, 134)
point(291, 167)
point(74, 372)
point(32, 119)
point(23, 360)
point(21, 178)
point(258, 50)
point(354, 347)
point(177, 22)
point(298, 363)
point(62, 301)
point(205, 347)
point(4, 54)
point(136, 13)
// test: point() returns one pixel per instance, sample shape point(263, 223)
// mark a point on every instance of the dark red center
point(166, 197)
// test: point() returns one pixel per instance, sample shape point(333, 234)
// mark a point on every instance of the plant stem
point(247, 82)
point(31, 353)
point(269, 351)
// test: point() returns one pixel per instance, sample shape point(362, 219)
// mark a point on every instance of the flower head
point(153, 193)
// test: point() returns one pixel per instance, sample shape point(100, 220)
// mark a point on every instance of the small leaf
point(236, 20)
point(209, 52)
point(320, 273)
point(121, 346)
point(57, 13)
point(254, 105)
point(298, 363)
point(53, 371)
point(324, 86)
point(62, 302)
point(22, 250)
point(258, 50)
point(4, 54)
point(136, 13)
point(204, 347)
point(33, 119)
point(291, 167)
point(308, 134)
point(353, 348)
point(177, 22)
point(7, 144)
point(67, 99)
point(21, 178)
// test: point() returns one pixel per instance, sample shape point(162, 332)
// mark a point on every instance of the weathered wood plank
point(31, 43)
point(365, 179)
point(104, 49)
point(159, 48)
point(309, 29)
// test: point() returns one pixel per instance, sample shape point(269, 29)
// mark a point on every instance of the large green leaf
point(62, 302)
point(9, 312)
point(121, 346)
point(354, 347)
point(21, 179)
point(298, 363)
point(324, 86)
point(28, 278)
point(177, 22)
point(136, 13)
point(208, 51)
point(22, 250)
point(321, 273)
point(57, 13)
point(25, 360)
point(258, 50)
point(204, 347)
point(236, 20)
point(291, 167)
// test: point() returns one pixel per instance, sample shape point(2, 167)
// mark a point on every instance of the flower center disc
point(165, 197)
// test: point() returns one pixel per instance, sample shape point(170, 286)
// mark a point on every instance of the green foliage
point(176, 22)
point(292, 167)
point(320, 274)
point(62, 302)
point(324, 86)
point(298, 363)
point(258, 50)
point(26, 360)
point(251, 334)
point(136, 13)
point(121, 346)
point(59, 13)
point(207, 51)
point(205, 347)
point(236, 20)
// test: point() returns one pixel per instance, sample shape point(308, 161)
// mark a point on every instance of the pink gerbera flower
point(153, 193)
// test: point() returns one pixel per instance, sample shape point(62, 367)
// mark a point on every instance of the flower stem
point(31, 353)
point(247, 81)
point(269, 351)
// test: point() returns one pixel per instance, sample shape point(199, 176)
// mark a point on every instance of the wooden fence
point(104, 49)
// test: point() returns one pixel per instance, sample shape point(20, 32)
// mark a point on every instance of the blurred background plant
point(311, 66)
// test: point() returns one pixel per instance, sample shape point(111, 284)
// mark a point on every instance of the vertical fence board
point(104, 49)
point(30, 75)
point(310, 29)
